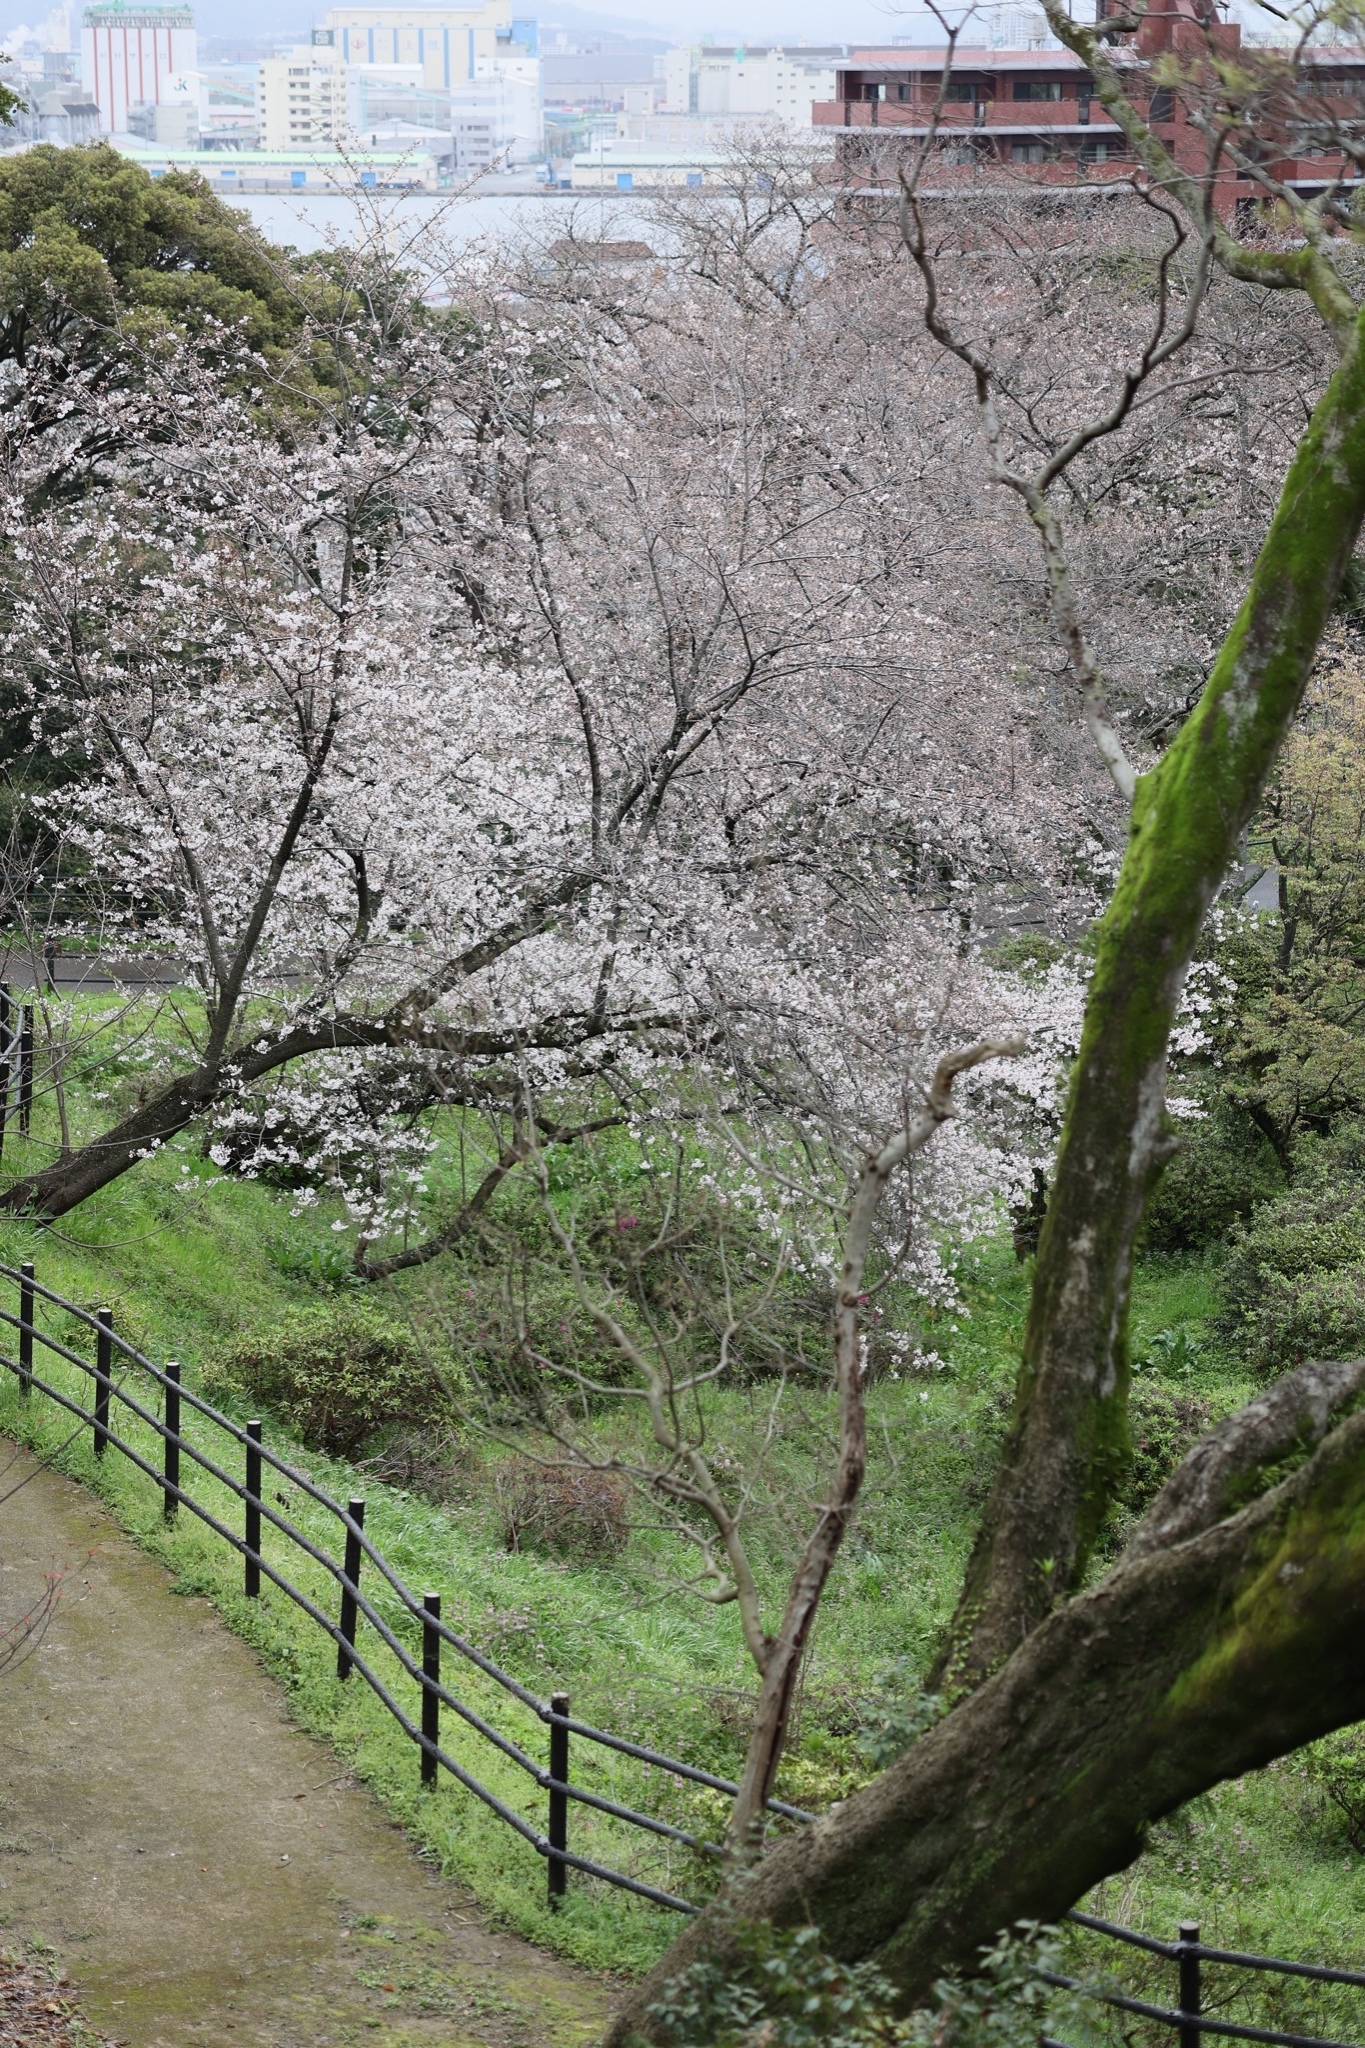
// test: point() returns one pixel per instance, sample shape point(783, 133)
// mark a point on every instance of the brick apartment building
point(1035, 111)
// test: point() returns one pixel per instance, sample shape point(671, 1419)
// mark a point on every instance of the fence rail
point(361, 1561)
point(1188, 2018)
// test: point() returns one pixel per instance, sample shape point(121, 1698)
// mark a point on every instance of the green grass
point(188, 1259)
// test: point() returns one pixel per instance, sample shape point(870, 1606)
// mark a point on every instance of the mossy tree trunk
point(1182, 1668)
point(1067, 1440)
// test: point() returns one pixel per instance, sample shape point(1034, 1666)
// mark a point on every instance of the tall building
point(137, 56)
point(447, 43)
point(301, 99)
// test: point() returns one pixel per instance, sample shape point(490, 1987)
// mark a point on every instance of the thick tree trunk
point(1067, 1442)
point(1184, 1667)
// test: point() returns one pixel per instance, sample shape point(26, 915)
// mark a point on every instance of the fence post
point(6, 1048)
point(253, 1511)
point(356, 1511)
point(1190, 1987)
point(431, 1676)
point(557, 1871)
point(171, 1443)
point(26, 1327)
point(26, 1069)
point(104, 1372)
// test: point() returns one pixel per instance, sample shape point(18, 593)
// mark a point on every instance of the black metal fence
point(1188, 2017)
point(361, 1563)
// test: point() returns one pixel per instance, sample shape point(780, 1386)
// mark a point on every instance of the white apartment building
point(748, 83)
point(301, 99)
point(139, 56)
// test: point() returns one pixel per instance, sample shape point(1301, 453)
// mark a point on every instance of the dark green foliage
point(897, 1714)
point(686, 1271)
point(1165, 1423)
point(329, 1267)
point(1294, 1282)
point(1223, 1171)
point(85, 234)
point(342, 1375)
point(783, 1990)
point(1336, 1765)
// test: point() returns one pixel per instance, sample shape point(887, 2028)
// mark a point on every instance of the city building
point(229, 98)
point(174, 122)
point(462, 82)
point(602, 72)
point(301, 99)
point(447, 44)
point(622, 167)
point(66, 116)
point(496, 118)
point(137, 56)
point(751, 83)
point(292, 170)
point(1033, 114)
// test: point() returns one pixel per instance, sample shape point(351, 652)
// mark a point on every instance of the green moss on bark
point(1067, 1445)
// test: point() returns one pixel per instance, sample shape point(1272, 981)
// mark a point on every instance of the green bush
point(1163, 1423)
point(342, 1374)
point(1336, 1765)
point(1294, 1282)
point(1223, 1171)
point(784, 1991)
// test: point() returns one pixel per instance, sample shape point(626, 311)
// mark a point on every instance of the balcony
point(999, 117)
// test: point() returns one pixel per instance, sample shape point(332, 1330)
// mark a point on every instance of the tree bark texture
point(1067, 1442)
point(1182, 1668)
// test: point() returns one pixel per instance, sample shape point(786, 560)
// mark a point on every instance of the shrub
point(1164, 1423)
point(1223, 1171)
point(1336, 1765)
point(569, 1510)
point(1294, 1282)
point(341, 1374)
point(783, 1991)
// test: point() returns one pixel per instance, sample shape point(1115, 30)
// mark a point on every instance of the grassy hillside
point(190, 1259)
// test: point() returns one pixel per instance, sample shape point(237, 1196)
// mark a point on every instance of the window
point(959, 89)
point(902, 92)
point(1037, 88)
point(1162, 107)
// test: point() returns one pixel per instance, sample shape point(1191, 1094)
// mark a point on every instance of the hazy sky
point(816, 21)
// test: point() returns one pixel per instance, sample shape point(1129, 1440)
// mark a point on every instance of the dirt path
point(203, 1869)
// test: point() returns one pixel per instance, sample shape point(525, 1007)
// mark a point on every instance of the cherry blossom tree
point(523, 703)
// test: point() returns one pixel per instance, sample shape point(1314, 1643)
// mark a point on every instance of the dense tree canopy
point(87, 237)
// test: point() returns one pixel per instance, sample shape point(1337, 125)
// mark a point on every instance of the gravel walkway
point(200, 1866)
